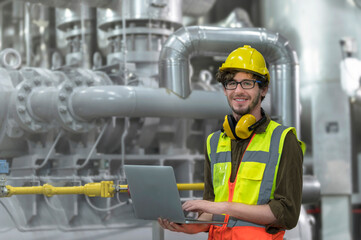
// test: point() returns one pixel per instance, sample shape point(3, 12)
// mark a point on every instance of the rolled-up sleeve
point(287, 200)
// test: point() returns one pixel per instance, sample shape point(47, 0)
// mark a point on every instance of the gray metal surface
point(164, 10)
point(337, 214)
point(332, 139)
point(311, 191)
point(75, 34)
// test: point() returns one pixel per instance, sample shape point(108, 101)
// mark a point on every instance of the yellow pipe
point(102, 189)
point(190, 186)
point(180, 186)
point(123, 188)
point(99, 189)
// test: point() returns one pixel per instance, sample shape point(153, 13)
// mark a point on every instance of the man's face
point(243, 101)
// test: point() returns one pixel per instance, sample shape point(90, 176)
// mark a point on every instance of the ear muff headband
point(258, 123)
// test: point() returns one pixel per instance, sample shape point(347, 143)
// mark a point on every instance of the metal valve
point(4, 170)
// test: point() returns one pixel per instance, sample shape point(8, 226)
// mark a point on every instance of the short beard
point(250, 107)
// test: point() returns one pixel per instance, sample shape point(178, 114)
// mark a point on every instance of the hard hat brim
point(266, 76)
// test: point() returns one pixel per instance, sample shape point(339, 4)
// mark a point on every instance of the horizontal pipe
point(180, 186)
point(101, 189)
point(122, 101)
point(46, 189)
point(190, 186)
point(311, 189)
point(42, 103)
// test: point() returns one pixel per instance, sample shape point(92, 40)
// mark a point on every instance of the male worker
point(253, 167)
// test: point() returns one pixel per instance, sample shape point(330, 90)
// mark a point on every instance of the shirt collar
point(262, 128)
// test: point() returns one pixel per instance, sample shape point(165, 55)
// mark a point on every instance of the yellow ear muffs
point(244, 127)
point(243, 130)
point(228, 126)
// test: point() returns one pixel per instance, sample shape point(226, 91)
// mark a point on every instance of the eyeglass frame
point(240, 83)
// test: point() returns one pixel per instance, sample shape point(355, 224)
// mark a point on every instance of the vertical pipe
point(1, 25)
point(27, 33)
point(124, 135)
point(83, 47)
point(124, 43)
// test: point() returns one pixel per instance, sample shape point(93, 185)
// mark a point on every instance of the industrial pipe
point(122, 101)
point(311, 189)
point(96, 189)
point(102, 189)
point(190, 186)
point(216, 41)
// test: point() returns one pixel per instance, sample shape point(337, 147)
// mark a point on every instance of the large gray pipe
point(121, 101)
point(216, 41)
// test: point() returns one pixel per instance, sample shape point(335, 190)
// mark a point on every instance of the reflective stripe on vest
point(257, 171)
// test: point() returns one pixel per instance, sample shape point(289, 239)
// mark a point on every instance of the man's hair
point(228, 75)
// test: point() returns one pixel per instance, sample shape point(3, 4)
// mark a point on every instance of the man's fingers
point(160, 221)
point(165, 224)
point(188, 205)
point(177, 227)
point(192, 205)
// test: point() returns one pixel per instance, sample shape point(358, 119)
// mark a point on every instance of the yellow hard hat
point(247, 58)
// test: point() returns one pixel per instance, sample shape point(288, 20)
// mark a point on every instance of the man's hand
point(204, 206)
point(184, 228)
point(259, 214)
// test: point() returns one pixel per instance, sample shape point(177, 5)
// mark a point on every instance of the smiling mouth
point(240, 100)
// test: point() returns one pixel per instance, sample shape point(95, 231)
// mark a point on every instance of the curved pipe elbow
point(216, 41)
point(174, 63)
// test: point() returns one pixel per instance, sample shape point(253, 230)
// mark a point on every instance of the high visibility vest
point(256, 176)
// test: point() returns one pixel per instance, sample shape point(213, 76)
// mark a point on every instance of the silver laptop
point(154, 193)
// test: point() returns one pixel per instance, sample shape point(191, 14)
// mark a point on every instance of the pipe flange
point(75, 79)
point(32, 79)
point(68, 121)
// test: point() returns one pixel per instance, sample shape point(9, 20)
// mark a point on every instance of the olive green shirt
point(288, 192)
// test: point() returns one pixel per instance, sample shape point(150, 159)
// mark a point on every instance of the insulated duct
point(215, 41)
